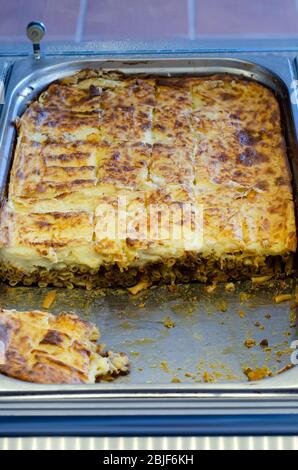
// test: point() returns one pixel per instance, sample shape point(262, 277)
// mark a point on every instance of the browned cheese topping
point(96, 138)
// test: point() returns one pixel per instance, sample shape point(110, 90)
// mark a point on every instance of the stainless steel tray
point(210, 330)
point(4, 74)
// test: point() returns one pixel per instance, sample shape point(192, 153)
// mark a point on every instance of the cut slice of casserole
point(117, 178)
point(41, 348)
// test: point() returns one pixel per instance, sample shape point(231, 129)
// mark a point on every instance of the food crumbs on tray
point(126, 325)
point(264, 343)
point(142, 285)
point(49, 299)
point(259, 325)
point(278, 299)
point(242, 314)
point(190, 375)
point(244, 297)
point(268, 316)
point(211, 288)
point(260, 279)
point(165, 366)
point(218, 375)
point(257, 374)
point(296, 294)
point(139, 341)
point(230, 287)
point(249, 343)
point(134, 353)
point(284, 352)
point(222, 306)
point(293, 316)
point(172, 288)
point(141, 305)
point(208, 378)
point(285, 369)
point(168, 322)
point(176, 380)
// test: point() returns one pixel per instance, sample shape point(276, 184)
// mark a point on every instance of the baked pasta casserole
point(120, 179)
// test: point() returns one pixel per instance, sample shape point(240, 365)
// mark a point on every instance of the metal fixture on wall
point(35, 32)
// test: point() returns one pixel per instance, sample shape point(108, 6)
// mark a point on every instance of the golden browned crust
point(214, 143)
point(39, 347)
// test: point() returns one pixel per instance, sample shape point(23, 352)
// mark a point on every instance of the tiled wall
point(79, 20)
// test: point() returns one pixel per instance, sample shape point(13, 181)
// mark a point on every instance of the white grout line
point(81, 20)
point(191, 13)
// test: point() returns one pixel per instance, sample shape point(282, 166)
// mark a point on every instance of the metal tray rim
point(22, 90)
